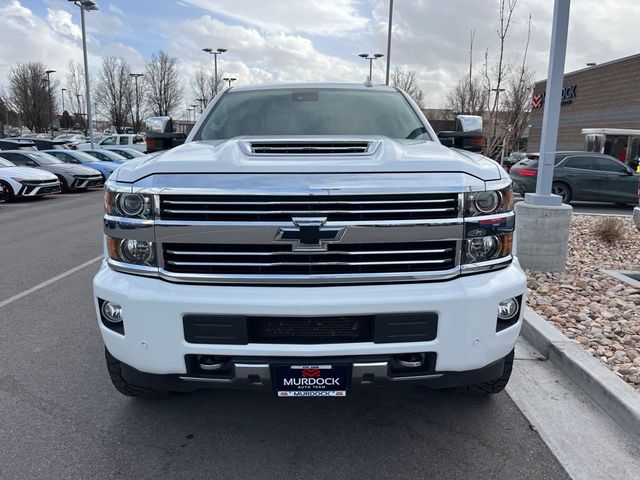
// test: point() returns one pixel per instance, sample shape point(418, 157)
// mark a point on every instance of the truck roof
point(342, 86)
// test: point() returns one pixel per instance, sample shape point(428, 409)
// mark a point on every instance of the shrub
point(609, 229)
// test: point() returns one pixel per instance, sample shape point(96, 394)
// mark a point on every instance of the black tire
point(63, 184)
point(114, 367)
point(494, 386)
point(563, 190)
point(8, 195)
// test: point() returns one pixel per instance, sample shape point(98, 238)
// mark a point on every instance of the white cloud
point(319, 17)
point(112, 8)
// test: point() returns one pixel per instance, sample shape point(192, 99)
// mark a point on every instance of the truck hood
point(26, 173)
point(390, 156)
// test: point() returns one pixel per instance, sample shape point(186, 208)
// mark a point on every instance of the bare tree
point(499, 72)
point(517, 102)
point(203, 84)
point(115, 91)
point(469, 96)
point(406, 80)
point(29, 95)
point(75, 85)
point(164, 90)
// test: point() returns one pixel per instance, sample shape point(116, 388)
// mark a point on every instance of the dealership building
point(600, 104)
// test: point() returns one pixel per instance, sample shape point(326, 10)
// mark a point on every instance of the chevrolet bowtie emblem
point(309, 234)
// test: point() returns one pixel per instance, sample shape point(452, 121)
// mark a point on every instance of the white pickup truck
point(309, 239)
point(124, 140)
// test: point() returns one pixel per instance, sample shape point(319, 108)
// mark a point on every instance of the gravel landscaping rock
point(597, 311)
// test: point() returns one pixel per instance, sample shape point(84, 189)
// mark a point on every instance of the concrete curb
point(609, 392)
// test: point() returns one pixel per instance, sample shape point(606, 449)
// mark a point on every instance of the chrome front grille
point(336, 208)
point(279, 259)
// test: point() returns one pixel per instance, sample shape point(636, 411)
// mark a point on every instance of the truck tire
point(114, 367)
point(494, 386)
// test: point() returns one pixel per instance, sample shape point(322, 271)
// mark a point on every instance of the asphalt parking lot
point(61, 418)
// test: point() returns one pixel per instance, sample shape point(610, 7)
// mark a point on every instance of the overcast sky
point(309, 40)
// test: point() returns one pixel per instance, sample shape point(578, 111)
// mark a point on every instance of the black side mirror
point(467, 136)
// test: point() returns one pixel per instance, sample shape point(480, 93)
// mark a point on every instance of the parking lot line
point(35, 288)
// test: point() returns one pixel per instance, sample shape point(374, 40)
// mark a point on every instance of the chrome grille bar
point(301, 264)
point(331, 252)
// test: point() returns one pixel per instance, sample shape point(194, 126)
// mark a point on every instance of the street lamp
point(229, 79)
point(371, 58)
point(89, 6)
point(63, 90)
point(195, 109)
point(49, 72)
point(201, 102)
point(215, 54)
point(389, 41)
point(135, 77)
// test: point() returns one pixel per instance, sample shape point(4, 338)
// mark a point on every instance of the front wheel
point(6, 192)
point(562, 190)
point(494, 386)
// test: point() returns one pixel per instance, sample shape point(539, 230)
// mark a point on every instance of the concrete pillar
point(542, 236)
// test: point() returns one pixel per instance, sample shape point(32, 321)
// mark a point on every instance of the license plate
point(311, 380)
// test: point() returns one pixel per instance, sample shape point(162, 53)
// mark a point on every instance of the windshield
point(44, 158)
point(6, 163)
point(85, 157)
point(313, 111)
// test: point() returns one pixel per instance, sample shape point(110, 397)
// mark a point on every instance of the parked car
point(72, 137)
point(42, 144)
point(128, 153)
point(115, 141)
point(512, 159)
point(17, 144)
point(20, 182)
point(72, 177)
point(82, 158)
point(106, 155)
point(581, 176)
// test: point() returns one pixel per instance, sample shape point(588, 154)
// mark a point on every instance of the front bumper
point(153, 310)
point(29, 189)
point(636, 217)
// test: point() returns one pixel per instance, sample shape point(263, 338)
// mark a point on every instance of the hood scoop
point(310, 147)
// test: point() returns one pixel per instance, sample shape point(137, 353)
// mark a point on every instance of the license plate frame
point(306, 380)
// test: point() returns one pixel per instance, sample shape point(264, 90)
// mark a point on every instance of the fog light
point(112, 312)
point(507, 309)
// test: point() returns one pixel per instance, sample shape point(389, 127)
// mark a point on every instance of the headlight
point(131, 205)
point(490, 202)
point(484, 249)
point(137, 252)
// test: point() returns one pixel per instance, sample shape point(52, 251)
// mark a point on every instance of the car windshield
point(85, 157)
point(6, 163)
point(44, 158)
point(312, 111)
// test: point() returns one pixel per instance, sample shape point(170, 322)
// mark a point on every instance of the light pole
point(89, 6)
point(371, 58)
point(229, 79)
point(49, 72)
point(389, 40)
point(195, 109)
point(215, 54)
point(80, 112)
point(201, 102)
point(135, 77)
point(544, 222)
point(63, 90)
